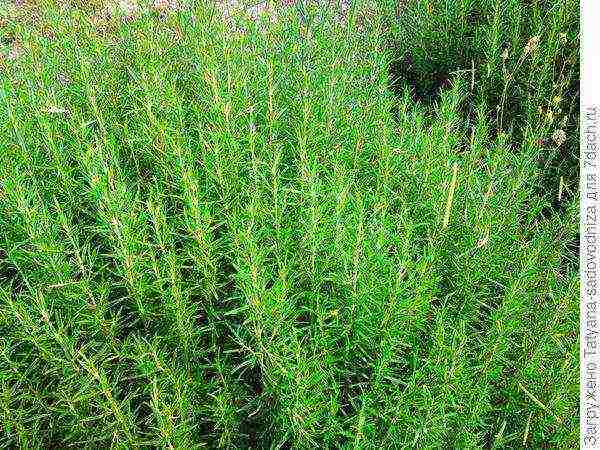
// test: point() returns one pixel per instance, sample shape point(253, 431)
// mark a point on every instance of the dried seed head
point(559, 137)
point(56, 110)
point(63, 79)
point(482, 242)
point(15, 51)
point(531, 45)
point(177, 32)
point(48, 33)
point(127, 9)
point(161, 6)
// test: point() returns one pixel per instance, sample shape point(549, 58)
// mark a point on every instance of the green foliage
point(238, 236)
